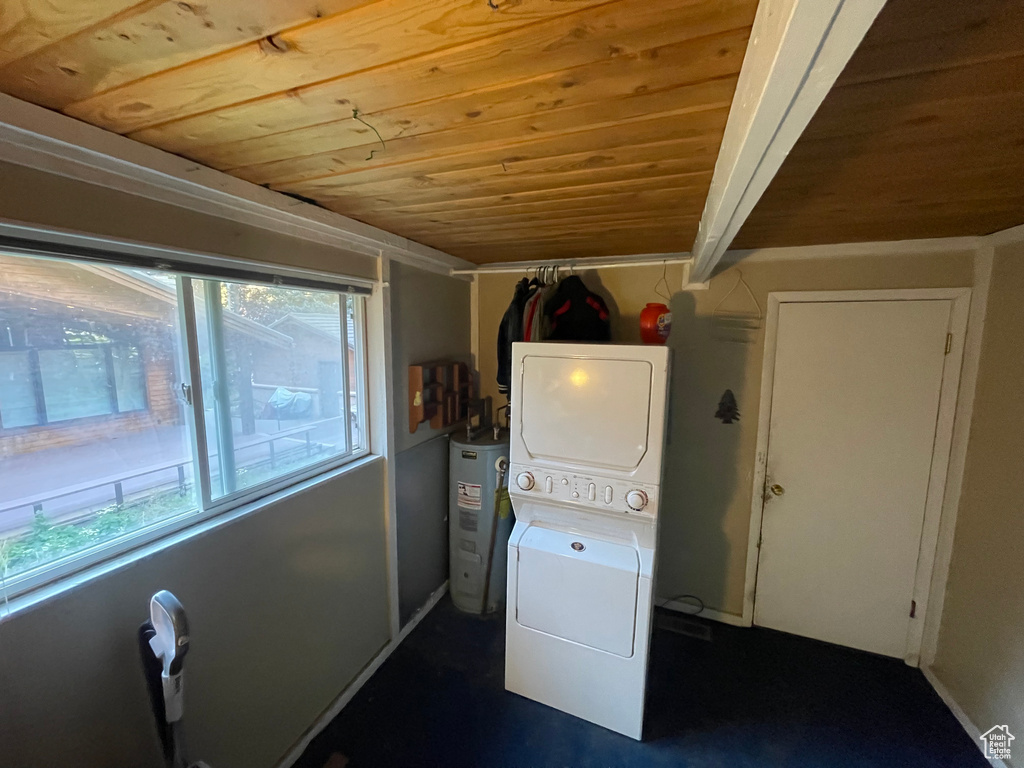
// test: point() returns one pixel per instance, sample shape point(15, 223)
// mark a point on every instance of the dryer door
point(578, 588)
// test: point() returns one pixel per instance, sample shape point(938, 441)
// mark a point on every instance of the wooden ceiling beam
point(798, 48)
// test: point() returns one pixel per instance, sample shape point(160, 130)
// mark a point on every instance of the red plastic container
point(655, 324)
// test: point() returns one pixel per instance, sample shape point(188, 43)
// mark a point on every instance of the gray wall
point(430, 320)
point(286, 605)
point(980, 655)
point(421, 474)
point(709, 466)
point(36, 197)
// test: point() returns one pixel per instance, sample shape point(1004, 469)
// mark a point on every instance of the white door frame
point(960, 298)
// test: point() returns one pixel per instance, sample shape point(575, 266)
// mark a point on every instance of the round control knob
point(636, 500)
point(524, 480)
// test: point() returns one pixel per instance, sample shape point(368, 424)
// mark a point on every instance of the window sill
point(80, 579)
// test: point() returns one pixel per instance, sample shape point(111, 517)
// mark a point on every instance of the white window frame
point(49, 575)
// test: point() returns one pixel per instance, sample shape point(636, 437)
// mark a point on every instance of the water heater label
point(469, 496)
point(469, 455)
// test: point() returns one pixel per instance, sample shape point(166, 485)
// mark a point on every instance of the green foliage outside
point(266, 304)
point(47, 540)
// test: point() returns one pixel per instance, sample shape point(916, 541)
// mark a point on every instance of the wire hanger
point(667, 296)
point(737, 326)
point(739, 281)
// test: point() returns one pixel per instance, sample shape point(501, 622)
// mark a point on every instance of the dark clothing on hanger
point(577, 314)
point(511, 330)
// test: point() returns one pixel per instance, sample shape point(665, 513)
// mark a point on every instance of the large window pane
point(274, 365)
point(93, 439)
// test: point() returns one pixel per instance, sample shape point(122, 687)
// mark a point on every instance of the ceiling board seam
point(235, 49)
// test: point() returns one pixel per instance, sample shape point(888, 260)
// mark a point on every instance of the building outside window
point(107, 432)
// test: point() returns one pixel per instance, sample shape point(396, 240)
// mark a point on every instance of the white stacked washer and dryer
point(587, 441)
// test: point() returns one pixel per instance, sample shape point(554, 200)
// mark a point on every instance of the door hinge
point(949, 342)
point(913, 608)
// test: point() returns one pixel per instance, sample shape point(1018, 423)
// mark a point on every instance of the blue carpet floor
point(746, 697)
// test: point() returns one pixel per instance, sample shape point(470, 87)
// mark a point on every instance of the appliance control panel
point(592, 491)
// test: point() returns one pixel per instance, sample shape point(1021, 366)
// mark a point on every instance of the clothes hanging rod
point(645, 260)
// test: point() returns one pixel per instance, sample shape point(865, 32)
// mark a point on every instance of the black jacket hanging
point(577, 314)
point(511, 330)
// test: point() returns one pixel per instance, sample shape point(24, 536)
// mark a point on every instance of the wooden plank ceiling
point(491, 129)
point(922, 136)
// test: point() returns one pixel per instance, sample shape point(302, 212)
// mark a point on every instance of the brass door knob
point(777, 490)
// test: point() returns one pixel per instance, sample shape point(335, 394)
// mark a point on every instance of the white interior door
point(853, 419)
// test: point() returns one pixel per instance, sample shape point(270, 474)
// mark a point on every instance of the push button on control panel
point(608, 494)
point(592, 492)
point(548, 484)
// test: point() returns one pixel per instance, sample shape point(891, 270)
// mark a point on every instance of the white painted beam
point(49, 141)
point(797, 50)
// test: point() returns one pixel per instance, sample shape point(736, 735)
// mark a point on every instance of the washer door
point(578, 589)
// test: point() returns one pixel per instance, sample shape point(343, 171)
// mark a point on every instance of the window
point(132, 401)
point(272, 363)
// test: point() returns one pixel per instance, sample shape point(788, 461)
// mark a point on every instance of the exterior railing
point(38, 501)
